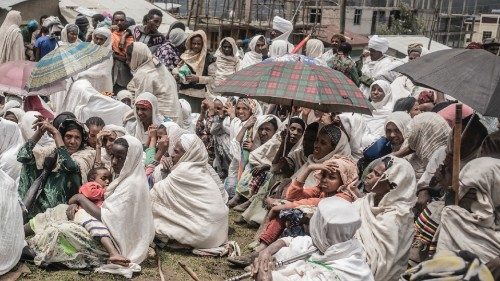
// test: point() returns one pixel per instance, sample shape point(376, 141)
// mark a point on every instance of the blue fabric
point(45, 44)
point(379, 148)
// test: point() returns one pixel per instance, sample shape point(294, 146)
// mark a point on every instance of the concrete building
point(30, 9)
point(483, 27)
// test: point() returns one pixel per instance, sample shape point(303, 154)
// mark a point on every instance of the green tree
point(406, 24)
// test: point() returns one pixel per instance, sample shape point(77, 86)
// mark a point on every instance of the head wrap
point(491, 146)
point(314, 48)
point(70, 124)
point(81, 21)
point(348, 173)
point(250, 103)
point(428, 131)
point(118, 130)
point(32, 25)
point(298, 120)
point(415, 47)
point(282, 25)
point(279, 48)
point(335, 221)
point(378, 44)
point(141, 54)
point(103, 31)
point(387, 100)
point(125, 94)
point(144, 103)
point(177, 36)
point(222, 99)
point(187, 140)
point(252, 57)
point(16, 111)
point(186, 114)
point(196, 60)
point(402, 121)
point(425, 97)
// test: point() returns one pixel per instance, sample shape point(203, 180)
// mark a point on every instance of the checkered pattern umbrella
point(299, 84)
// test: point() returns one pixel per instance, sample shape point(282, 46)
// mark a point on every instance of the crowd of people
point(139, 150)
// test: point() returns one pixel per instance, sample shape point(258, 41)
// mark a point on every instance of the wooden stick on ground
point(189, 271)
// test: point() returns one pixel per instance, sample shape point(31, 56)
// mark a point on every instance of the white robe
point(10, 142)
point(380, 70)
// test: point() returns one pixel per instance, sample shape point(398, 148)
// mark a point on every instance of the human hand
point(229, 108)
point(206, 104)
point(100, 137)
point(263, 266)
point(167, 163)
point(270, 202)
point(423, 198)
point(324, 167)
point(71, 210)
point(250, 122)
point(152, 131)
point(248, 145)
point(305, 111)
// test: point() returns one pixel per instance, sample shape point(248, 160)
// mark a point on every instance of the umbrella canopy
point(65, 62)
point(14, 76)
point(471, 76)
point(297, 83)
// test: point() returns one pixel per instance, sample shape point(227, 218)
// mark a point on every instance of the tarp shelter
point(398, 44)
point(135, 9)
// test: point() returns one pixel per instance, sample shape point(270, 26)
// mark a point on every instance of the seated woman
point(73, 163)
point(339, 254)
point(386, 230)
point(409, 105)
point(118, 214)
point(14, 114)
point(94, 127)
point(146, 114)
point(10, 143)
point(187, 205)
point(259, 147)
point(104, 144)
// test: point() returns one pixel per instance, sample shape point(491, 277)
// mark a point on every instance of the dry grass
point(206, 268)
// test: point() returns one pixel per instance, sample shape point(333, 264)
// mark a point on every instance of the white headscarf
point(11, 224)
point(10, 142)
point(378, 43)
point(141, 54)
point(124, 94)
point(387, 230)
point(314, 48)
point(64, 33)
point(402, 121)
point(11, 40)
point(177, 36)
point(139, 131)
point(283, 26)
point(106, 32)
point(226, 65)
point(386, 104)
point(279, 48)
point(186, 120)
point(16, 111)
point(252, 57)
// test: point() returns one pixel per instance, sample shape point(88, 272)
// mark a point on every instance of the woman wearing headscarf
point(11, 39)
point(220, 137)
point(186, 121)
point(187, 205)
point(257, 45)
point(386, 230)
point(12, 238)
point(146, 114)
point(69, 35)
point(131, 227)
point(10, 143)
point(104, 146)
point(315, 49)
point(193, 70)
point(169, 53)
point(227, 61)
point(339, 254)
point(72, 165)
point(102, 36)
point(126, 96)
point(151, 76)
point(279, 48)
point(14, 114)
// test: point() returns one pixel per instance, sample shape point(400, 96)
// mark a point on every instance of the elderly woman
point(187, 205)
point(102, 37)
point(194, 68)
point(146, 114)
point(258, 47)
point(151, 76)
point(386, 230)
point(227, 61)
point(11, 38)
point(73, 163)
point(69, 35)
point(409, 105)
point(118, 213)
point(339, 254)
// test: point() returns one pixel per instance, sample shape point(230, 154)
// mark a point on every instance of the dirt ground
point(207, 268)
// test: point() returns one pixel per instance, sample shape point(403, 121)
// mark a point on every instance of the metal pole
point(342, 16)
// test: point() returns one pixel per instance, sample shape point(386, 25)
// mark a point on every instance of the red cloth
point(93, 191)
point(448, 113)
point(144, 103)
point(272, 232)
point(425, 97)
point(34, 103)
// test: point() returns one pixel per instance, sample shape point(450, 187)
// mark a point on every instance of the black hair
point(121, 141)
point(388, 161)
point(93, 173)
point(72, 124)
point(298, 120)
point(162, 127)
point(274, 123)
point(155, 12)
point(61, 118)
point(404, 104)
point(119, 13)
point(43, 17)
point(44, 30)
point(333, 132)
point(345, 48)
point(96, 121)
point(146, 18)
point(98, 17)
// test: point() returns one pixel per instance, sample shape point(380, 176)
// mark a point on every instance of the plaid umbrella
point(295, 83)
point(65, 62)
point(14, 76)
point(471, 76)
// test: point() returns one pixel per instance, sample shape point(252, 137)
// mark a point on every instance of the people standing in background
point(344, 63)
point(50, 32)
point(258, 47)
point(96, 19)
point(83, 25)
point(148, 33)
point(11, 39)
point(169, 53)
point(121, 71)
point(27, 33)
point(335, 41)
point(282, 29)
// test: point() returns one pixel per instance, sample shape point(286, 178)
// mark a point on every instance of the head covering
point(118, 130)
point(226, 65)
point(141, 54)
point(279, 48)
point(16, 111)
point(125, 94)
point(283, 26)
point(196, 60)
point(252, 104)
point(314, 48)
point(11, 39)
point(187, 140)
point(415, 47)
point(32, 25)
point(53, 23)
point(69, 124)
point(386, 102)
point(106, 32)
point(222, 99)
point(93, 191)
point(81, 20)
point(252, 57)
point(491, 146)
point(402, 121)
point(140, 132)
point(144, 103)
point(13, 18)
point(298, 120)
point(177, 36)
point(67, 29)
point(335, 221)
point(425, 97)
point(378, 44)
point(448, 113)
point(186, 119)
point(348, 173)
point(174, 132)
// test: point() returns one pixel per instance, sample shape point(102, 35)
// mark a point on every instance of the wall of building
point(481, 27)
point(33, 9)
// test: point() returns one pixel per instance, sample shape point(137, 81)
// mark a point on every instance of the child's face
point(374, 176)
point(330, 182)
point(103, 177)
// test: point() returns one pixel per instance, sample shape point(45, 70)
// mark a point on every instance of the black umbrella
point(471, 76)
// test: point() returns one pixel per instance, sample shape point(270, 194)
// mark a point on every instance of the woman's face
point(93, 131)
point(330, 182)
point(118, 157)
point(219, 108)
point(196, 44)
point(415, 110)
point(11, 117)
point(178, 152)
point(161, 132)
point(393, 134)
point(108, 142)
point(266, 132)
point(99, 39)
point(72, 140)
point(377, 94)
point(373, 177)
point(72, 37)
point(295, 132)
point(144, 113)
point(243, 112)
point(260, 46)
point(322, 146)
point(227, 48)
point(413, 55)
point(127, 101)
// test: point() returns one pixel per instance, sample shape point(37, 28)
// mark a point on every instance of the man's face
point(335, 43)
point(275, 33)
point(154, 23)
point(227, 49)
point(119, 20)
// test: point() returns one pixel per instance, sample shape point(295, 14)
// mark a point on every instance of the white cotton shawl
point(314, 48)
point(136, 128)
point(353, 125)
point(11, 39)
point(11, 224)
point(479, 230)
point(10, 142)
point(225, 65)
point(263, 154)
point(387, 230)
point(85, 101)
point(279, 48)
point(126, 211)
point(380, 70)
point(402, 121)
point(186, 119)
point(252, 57)
point(26, 127)
point(187, 205)
point(284, 26)
point(378, 44)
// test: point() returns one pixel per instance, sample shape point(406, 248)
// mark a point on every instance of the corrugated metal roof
point(400, 43)
point(7, 4)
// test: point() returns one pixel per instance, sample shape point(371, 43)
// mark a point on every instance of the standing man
point(83, 26)
point(148, 33)
point(330, 55)
point(121, 71)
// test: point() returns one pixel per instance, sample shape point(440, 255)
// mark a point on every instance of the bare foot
point(119, 260)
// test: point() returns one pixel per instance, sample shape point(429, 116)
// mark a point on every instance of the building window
point(381, 16)
point(487, 34)
point(315, 16)
point(357, 16)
